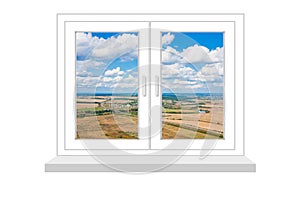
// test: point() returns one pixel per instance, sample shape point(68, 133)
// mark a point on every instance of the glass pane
point(106, 85)
point(192, 85)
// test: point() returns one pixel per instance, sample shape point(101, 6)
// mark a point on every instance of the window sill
point(151, 163)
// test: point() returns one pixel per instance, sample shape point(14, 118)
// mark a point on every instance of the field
point(111, 117)
point(192, 117)
point(115, 117)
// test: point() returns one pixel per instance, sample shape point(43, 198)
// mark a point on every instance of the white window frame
point(227, 27)
point(63, 21)
point(67, 97)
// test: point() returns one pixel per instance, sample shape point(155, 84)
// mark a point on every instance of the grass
point(172, 111)
point(178, 111)
point(89, 109)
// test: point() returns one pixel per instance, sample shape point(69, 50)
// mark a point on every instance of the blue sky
point(193, 62)
point(107, 62)
point(211, 40)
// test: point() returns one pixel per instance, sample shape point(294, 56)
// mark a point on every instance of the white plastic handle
point(144, 86)
point(156, 86)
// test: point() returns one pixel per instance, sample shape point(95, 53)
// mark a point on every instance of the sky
point(108, 62)
point(192, 62)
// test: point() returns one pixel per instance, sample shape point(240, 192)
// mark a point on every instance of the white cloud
point(130, 83)
point(197, 86)
point(183, 70)
point(206, 75)
point(98, 52)
point(85, 43)
point(177, 70)
point(89, 68)
point(211, 72)
point(218, 84)
point(179, 77)
point(107, 79)
point(110, 79)
point(118, 78)
point(95, 54)
point(115, 47)
point(193, 54)
point(118, 82)
point(83, 74)
point(217, 55)
point(129, 56)
point(167, 39)
point(212, 69)
point(196, 54)
point(83, 65)
point(170, 55)
point(88, 47)
point(130, 79)
point(87, 81)
point(171, 70)
point(114, 72)
point(184, 82)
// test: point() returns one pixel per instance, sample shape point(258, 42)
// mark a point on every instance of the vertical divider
point(143, 87)
point(150, 66)
point(156, 112)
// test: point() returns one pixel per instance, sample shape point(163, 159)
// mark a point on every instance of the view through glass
point(192, 85)
point(106, 85)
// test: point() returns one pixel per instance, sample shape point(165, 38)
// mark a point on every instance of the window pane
point(106, 85)
point(192, 85)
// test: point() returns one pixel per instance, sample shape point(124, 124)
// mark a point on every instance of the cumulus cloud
point(179, 76)
point(89, 82)
point(85, 65)
point(185, 82)
point(111, 79)
point(85, 43)
point(170, 55)
point(213, 69)
point(196, 54)
point(193, 54)
point(167, 39)
point(192, 69)
point(217, 55)
point(129, 56)
point(83, 74)
point(89, 68)
point(111, 48)
point(130, 83)
point(178, 70)
point(211, 72)
point(94, 54)
point(115, 47)
point(114, 72)
point(89, 64)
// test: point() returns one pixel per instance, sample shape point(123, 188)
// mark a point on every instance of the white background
point(27, 107)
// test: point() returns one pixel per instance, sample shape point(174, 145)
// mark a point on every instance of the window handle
point(144, 86)
point(156, 86)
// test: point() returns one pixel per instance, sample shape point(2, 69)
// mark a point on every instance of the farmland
point(189, 116)
point(111, 117)
point(116, 117)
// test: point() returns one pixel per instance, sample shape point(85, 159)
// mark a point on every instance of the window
point(150, 85)
point(192, 74)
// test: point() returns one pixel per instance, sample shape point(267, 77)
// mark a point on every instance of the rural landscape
point(106, 116)
point(116, 117)
point(188, 116)
point(192, 85)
